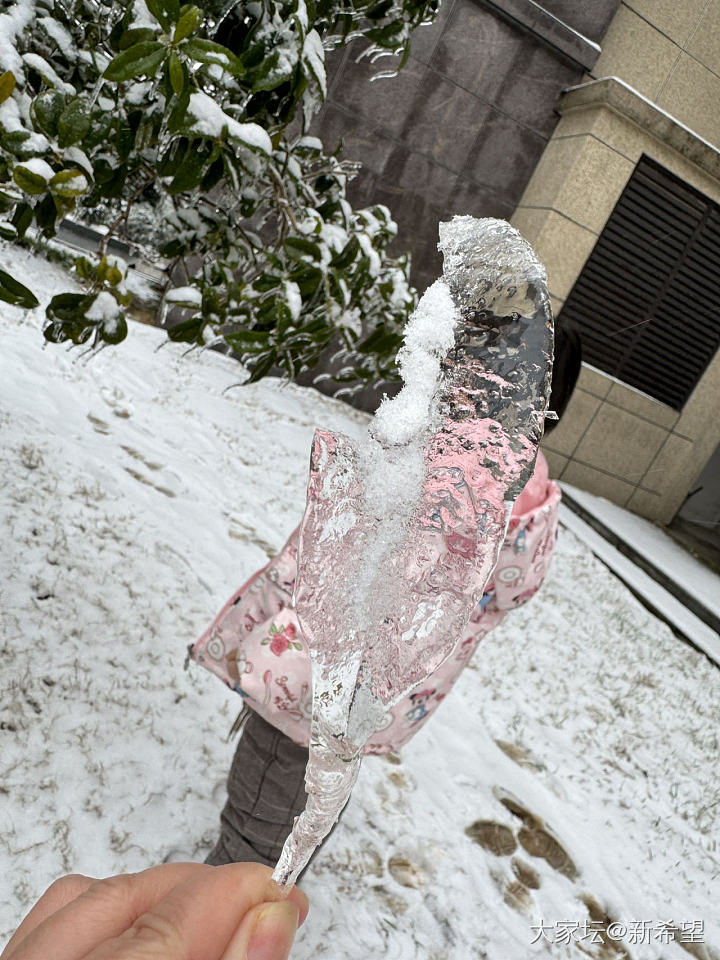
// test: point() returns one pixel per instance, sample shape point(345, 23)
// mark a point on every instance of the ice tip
point(486, 246)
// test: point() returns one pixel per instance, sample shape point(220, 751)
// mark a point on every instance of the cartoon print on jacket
point(420, 701)
point(255, 643)
point(237, 665)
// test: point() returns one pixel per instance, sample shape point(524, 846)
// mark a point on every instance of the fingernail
point(274, 932)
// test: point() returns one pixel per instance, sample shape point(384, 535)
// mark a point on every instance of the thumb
point(266, 933)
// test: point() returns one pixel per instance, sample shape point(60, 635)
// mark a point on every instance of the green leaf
point(187, 24)
point(249, 341)
point(284, 316)
point(29, 181)
point(113, 187)
point(101, 123)
point(191, 172)
point(8, 199)
point(58, 331)
point(265, 76)
point(74, 122)
point(45, 111)
point(346, 256)
point(84, 268)
point(158, 9)
point(7, 230)
point(386, 36)
point(115, 333)
point(187, 331)
point(297, 248)
point(378, 10)
point(177, 119)
point(170, 162)
point(69, 183)
point(46, 214)
point(141, 58)
point(136, 35)
point(7, 85)
point(207, 51)
point(14, 292)
point(22, 218)
point(108, 272)
point(213, 174)
point(172, 9)
point(70, 307)
point(14, 141)
point(177, 74)
point(265, 282)
point(173, 248)
point(125, 138)
point(262, 368)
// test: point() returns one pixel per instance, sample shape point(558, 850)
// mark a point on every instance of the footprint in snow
point(117, 402)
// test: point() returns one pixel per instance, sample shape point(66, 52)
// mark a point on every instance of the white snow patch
point(105, 309)
point(123, 534)
point(62, 37)
point(293, 298)
point(429, 334)
point(314, 54)
point(48, 73)
point(38, 166)
point(210, 120)
point(11, 120)
point(184, 295)
point(13, 22)
point(76, 155)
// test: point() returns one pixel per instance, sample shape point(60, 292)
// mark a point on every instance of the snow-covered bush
point(183, 129)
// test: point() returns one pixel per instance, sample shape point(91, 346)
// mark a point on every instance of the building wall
point(669, 51)
point(614, 440)
point(477, 123)
point(463, 125)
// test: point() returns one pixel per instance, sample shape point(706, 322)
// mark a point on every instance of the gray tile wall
point(462, 126)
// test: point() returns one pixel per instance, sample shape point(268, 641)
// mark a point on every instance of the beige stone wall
point(669, 51)
point(614, 440)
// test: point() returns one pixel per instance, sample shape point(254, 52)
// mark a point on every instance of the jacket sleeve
point(525, 555)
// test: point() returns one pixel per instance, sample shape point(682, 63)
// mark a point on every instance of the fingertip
point(274, 931)
point(300, 899)
point(266, 933)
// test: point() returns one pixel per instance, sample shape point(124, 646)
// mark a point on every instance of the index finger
point(59, 893)
point(197, 906)
point(105, 906)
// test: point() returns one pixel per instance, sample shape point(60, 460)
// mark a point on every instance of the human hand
point(178, 911)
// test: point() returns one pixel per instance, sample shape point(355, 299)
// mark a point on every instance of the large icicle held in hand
point(402, 532)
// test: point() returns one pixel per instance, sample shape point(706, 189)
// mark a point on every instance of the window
point(648, 299)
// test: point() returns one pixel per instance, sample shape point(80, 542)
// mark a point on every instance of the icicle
point(401, 532)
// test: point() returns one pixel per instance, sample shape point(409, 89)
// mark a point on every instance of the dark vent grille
point(648, 299)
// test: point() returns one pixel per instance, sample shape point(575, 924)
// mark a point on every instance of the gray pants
point(266, 791)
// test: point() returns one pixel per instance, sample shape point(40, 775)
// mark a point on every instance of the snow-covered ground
point(581, 746)
point(666, 554)
point(624, 524)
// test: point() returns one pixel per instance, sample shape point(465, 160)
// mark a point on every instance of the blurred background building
point(594, 128)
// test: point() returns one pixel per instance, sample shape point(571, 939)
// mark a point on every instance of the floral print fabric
point(255, 644)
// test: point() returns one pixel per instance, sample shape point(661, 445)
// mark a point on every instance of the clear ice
point(402, 531)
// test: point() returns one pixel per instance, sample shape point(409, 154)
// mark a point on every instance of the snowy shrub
point(184, 130)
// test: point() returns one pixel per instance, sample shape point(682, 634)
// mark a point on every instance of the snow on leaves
point(184, 114)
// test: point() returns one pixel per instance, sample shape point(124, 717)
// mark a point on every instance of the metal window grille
point(647, 302)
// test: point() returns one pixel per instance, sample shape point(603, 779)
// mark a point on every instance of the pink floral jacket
point(255, 644)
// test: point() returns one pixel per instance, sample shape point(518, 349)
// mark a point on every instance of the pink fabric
point(536, 488)
point(255, 644)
